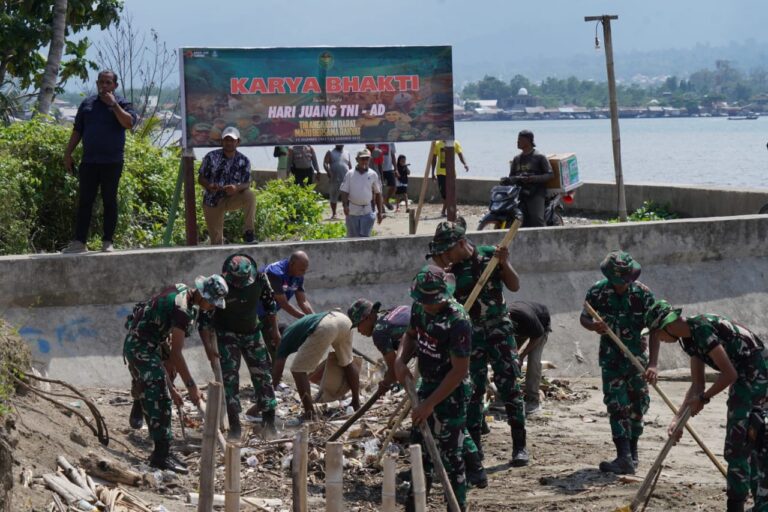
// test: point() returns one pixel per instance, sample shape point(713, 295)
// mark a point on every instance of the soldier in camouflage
point(156, 332)
point(493, 337)
point(622, 303)
point(237, 334)
point(439, 335)
point(387, 328)
point(742, 360)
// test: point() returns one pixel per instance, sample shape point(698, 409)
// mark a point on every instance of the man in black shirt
point(532, 170)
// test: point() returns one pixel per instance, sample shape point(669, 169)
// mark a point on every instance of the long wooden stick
point(424, 186)
point(334, 477)
point(404, 407)
point(491, 266)
point(646, 488)
point(434, 453)
point(208, 451)
point(299, 471)
point(419, 489)
point(219, 375)
point(388, 488)
point(594, 314)
point(201, 408)
point(358, 413)
point(232, 478)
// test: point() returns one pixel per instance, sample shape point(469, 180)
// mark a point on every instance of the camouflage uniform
point(147, 345)
point(438, 337)
point(625, 392)
point(748, 355)
point(238, 333)
point(493, 340)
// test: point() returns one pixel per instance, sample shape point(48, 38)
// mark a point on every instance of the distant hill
point(470, 66)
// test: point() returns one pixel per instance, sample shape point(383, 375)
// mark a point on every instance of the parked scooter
point(506, 206)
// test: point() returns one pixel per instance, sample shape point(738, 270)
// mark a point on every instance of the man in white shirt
point(361, 185)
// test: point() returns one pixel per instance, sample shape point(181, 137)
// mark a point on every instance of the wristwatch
point(703, 398)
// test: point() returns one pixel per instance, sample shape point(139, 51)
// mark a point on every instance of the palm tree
point(55, 52)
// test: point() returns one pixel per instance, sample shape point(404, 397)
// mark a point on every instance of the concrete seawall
point(72, 308)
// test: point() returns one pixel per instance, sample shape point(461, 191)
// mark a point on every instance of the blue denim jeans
point(360, 225)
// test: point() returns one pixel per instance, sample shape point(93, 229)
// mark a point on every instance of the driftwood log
point(110, 470)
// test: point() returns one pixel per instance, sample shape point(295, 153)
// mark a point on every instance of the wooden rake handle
point(358, 413)
point(595, 315)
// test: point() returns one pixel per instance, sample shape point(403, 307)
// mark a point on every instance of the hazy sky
point(479, 31)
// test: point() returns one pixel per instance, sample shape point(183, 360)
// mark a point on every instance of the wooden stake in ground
point(201, 408)
point(644, 493)
point(299, 471)
point(419, 484)
point(595, 315)
point(208, 450)
point(434, 453)
point(334, 477)
point(232, 478)
point(362, 410)
point(388, 493)
point(424, 186)
point(491, 266)
point(219, 375)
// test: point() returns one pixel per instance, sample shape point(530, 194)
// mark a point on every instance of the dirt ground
point(567, 441)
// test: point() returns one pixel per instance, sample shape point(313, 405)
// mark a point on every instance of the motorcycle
point(506, 206)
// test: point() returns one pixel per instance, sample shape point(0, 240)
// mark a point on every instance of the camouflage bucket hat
point(660, 315)
point(360, 309)
point(446, 236)
point(433, 285)
point(239, 271)
point(213, 289)
point(620, 268)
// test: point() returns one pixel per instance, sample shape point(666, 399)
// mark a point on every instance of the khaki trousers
point(332, 331)
point(214, 215)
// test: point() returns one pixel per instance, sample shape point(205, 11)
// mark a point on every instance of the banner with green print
point(286, 96)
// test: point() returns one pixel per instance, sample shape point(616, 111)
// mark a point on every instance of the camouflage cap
point(660, 315)
point(447, 234)
point(360, 309)
point(239, 271)
point(213, 289)
point(620, 268)
point(433, 285)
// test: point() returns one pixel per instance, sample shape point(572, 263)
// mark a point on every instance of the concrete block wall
point(72, 308)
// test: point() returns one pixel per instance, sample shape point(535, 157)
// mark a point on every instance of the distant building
point(519, 101)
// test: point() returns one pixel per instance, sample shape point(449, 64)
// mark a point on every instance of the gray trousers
point(533, 371)
point(534, 214)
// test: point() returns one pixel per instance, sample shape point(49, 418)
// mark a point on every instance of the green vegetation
point(15, 357)
point(650, 210)
point(39, 197)
point(702, 88)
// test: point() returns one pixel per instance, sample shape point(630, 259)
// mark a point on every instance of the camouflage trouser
point(251, 348)
point(625, 394)
point(746, 470)
point(448, 426)
point(149, 385)
point(493, 341)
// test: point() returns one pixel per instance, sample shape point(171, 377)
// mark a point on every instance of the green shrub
point(650, 210)
point(15, 357)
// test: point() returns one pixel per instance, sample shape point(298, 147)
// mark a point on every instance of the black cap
point(528, 134)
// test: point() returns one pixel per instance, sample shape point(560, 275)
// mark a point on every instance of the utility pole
point(606, 22)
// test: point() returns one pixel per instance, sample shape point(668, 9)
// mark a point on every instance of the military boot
point(476, 476)
point(476, 436)
point(622, 464)
point(734, 505)
point(519, 451)
point(633, 451)
point(410, 503)
point(136, 418)
point(268, 424)
point(233, 415)
point(161, 458)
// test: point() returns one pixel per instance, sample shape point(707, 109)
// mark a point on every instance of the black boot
point(735, 505)
point(410, 503)
point(268, 424)
point(233, 415)
point(477, 438)
point(633, 451)
point(161, 458)
point(622, 464)
point(136, 418)
point(475, 472)
point(519, 451)
point(485, 429)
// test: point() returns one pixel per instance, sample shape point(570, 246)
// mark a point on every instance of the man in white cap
point(360, 187)
point(225, 174)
